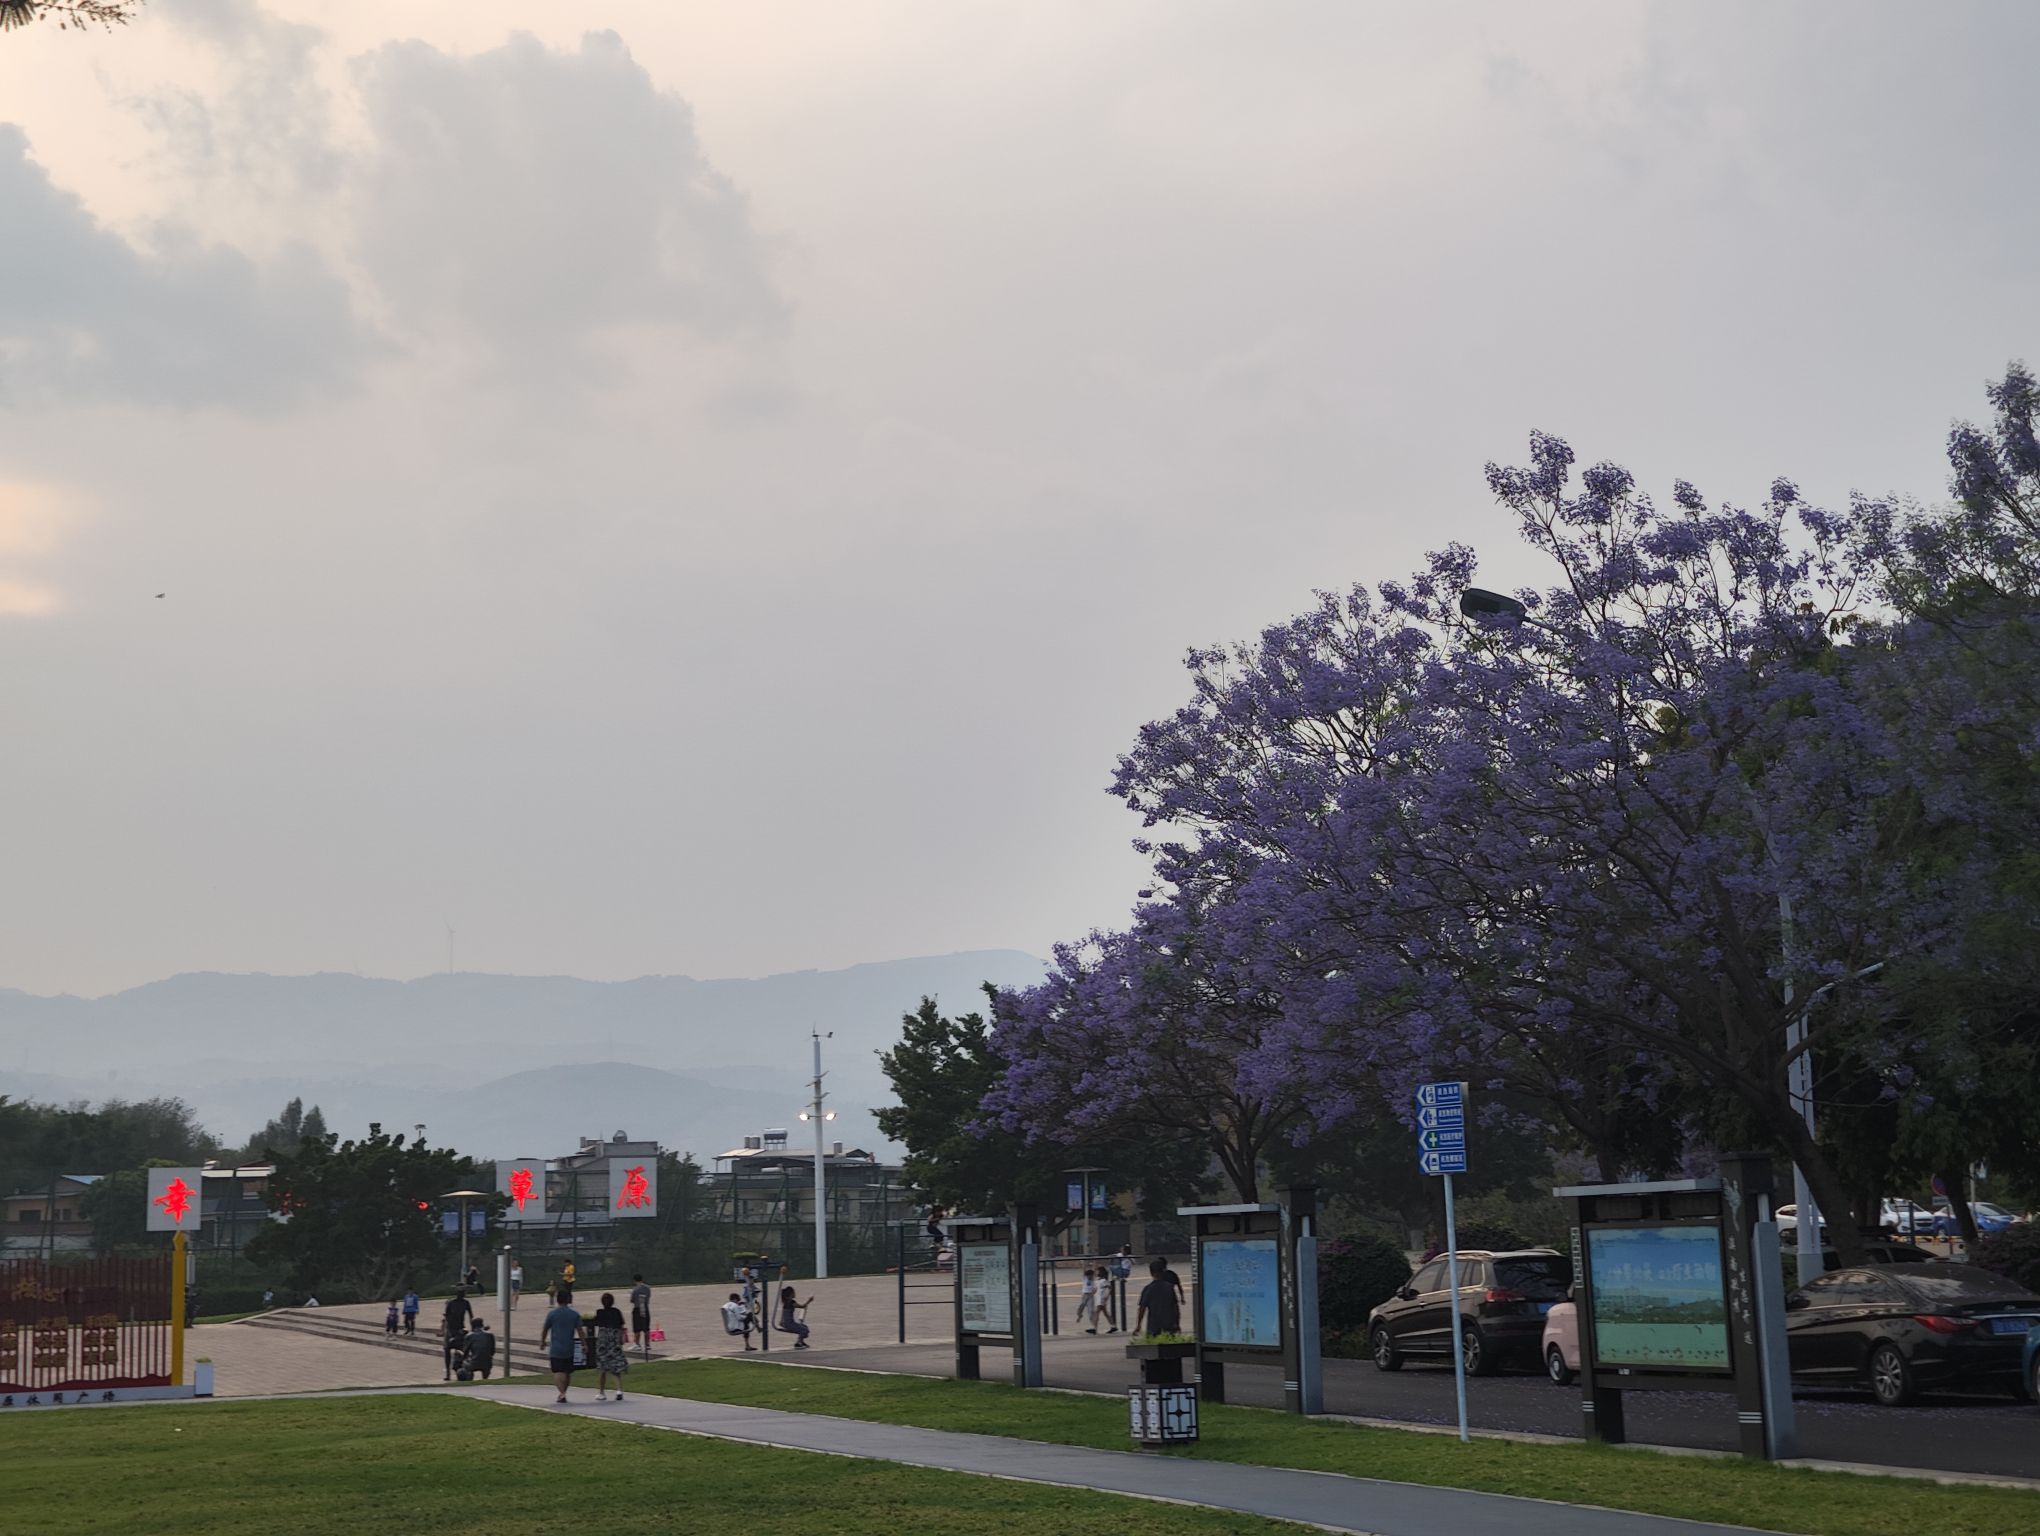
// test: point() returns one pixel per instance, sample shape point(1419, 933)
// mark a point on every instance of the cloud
point(543, 202)
point(86, 314)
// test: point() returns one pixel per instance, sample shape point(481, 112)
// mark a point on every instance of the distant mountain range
point(499, 1066)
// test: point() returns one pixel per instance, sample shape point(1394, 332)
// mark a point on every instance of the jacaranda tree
point(1630, 842)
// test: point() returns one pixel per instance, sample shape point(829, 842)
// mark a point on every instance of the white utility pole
point(820, 1117)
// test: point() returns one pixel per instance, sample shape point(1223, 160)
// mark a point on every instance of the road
point(1987, 1435)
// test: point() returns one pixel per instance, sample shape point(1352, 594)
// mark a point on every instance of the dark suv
point(1502, 1301)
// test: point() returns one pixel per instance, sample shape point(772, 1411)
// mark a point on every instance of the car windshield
point(1954, 1285)
point(1539, 1276)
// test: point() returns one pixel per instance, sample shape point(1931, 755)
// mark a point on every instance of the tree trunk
point(1958, 1202)
point(1826, 1185)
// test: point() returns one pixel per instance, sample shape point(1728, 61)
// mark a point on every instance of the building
point(50, 1220)
point(763, 1193)
point(233, 1206)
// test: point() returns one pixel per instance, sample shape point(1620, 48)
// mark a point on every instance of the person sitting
point(789, 1316)
point(736, 1318)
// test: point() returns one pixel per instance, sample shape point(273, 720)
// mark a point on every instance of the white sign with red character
point(174, 1199)
point(521, 1181)
point(633, 1186)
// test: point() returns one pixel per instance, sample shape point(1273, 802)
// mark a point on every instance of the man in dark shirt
point(453, 1330)
point(481, 1350)
point(1159, 1311)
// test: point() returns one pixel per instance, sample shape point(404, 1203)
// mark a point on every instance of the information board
point(1239, 1286)
point(984, 1271)
point(1658, 1299)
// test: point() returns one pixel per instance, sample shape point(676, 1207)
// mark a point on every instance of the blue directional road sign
point(1441, 1127)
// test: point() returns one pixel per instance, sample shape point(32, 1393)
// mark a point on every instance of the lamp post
point(1083, 1176)
point(463, 1196)
point(820, 1117)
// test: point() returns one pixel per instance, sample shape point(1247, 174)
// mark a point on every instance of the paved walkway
point(304, 1348)
point(1324, 1499)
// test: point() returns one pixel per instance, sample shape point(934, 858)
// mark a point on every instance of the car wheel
point(1479, 1358)
point(1386, 1356)
point(1891, 1379)
point(1555, 1367)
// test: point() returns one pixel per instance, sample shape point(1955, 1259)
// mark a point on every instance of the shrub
point(1355, 1275)
point(2013, 1253)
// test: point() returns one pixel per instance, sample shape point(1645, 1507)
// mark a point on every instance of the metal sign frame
point(1735, 1208)
point(1293, 1227)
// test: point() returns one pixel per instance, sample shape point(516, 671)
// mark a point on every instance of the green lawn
point(409, 1466)
point(1731, 1491)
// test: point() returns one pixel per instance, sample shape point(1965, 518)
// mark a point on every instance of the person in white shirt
point(1087, 1299)
point(737, 1318)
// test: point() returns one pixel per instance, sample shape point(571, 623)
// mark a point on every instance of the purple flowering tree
point(1632, 844)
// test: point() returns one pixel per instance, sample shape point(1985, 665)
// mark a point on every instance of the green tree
point(284, 1133)
point(940, 1072)
point(360, 1217)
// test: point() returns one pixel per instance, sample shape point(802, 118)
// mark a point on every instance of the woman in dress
point(610, 1356)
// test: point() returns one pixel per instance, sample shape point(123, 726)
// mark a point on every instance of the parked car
point(1905, 1218)
point(1787, 1217)
point(1502, 1301)
point(1561, 1342)
point(1989, 1218)
point(1902, 1329)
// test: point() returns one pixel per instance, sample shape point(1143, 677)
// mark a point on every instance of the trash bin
point(1164, 1414)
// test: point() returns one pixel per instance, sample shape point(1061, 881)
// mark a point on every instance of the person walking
point(640, 1311)
point(1087, 1299)
point(1159, 1312)
point(481, 1349)
point(410, 1312)
point(453, 1327)
point(610, 1357)
point(389, 1322)
point(516, 1281)
point(556, 1336)
point(789, 1317)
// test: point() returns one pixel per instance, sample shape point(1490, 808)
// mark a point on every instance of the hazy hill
point(497, 1065)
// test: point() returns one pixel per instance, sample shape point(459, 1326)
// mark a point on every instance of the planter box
point(1161, 1364)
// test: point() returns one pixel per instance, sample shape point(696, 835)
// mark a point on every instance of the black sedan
point(1907, 1329)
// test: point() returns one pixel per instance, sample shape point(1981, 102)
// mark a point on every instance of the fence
point(99, 1323)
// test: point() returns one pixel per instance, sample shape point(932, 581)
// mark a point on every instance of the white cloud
point(86, 313)
point(538, 202)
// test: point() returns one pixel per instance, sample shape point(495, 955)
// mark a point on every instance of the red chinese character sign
point(174, 1199)
point(633, 1186)
point(521, 1181)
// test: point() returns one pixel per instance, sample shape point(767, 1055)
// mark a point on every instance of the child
point(1087, 1300)
point(389, 1322)
point(736, 1318)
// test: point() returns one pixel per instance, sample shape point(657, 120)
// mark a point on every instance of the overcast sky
point(711, 488)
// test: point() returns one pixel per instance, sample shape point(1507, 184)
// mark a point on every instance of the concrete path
point(1324, 1499)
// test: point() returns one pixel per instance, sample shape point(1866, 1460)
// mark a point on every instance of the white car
point(1788, 1221)
point(1905, 1218)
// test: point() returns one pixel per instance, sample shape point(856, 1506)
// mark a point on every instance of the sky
point(701, 488)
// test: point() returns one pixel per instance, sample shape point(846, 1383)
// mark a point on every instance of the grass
point(1734, 1492)
point(428, 1464)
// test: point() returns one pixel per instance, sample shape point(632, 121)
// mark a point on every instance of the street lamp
point(463, 1196)
point(820, 1116)
point(1479, 603)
